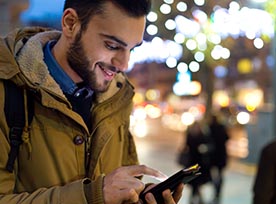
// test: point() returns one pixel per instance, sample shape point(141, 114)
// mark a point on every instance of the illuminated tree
point(216, 36)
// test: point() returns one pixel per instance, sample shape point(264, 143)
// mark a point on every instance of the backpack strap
point(15, 117)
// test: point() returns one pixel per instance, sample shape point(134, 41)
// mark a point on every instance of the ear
point(70, 22)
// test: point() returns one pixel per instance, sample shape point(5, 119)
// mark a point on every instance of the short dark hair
point(88, 8)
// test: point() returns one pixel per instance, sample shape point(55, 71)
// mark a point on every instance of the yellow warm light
point(152, 95)
point(250, 108)
point(153, 111)
point(138, 98)
point(250, 97)
point(195, 87)
point(244, 66)
point(187, 118)
point(221, 98)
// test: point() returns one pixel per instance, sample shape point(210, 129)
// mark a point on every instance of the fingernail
point(149, 198)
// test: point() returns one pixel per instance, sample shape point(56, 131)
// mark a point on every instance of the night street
point(159, 150)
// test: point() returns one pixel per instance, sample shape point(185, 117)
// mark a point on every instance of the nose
point(120, 60)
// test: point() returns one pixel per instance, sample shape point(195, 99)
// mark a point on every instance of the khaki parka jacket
point(51, 166)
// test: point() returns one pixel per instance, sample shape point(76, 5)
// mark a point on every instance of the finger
point(168, 198)
point(178, 192)
point(129, 196)
point(150, 186)
point(134, 183)
point(150, 199)
point(139, 170)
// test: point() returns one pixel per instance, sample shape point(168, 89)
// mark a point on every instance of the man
point(77, 148)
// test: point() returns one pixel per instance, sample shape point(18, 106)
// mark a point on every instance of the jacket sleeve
point(79, 192)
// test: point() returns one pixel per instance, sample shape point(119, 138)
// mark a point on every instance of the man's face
point(102, 50)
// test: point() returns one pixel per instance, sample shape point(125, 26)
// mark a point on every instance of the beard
point(80, 63)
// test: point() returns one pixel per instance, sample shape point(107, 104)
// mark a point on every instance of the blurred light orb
point(244, 66)
point(153, 111)
point(191, 44)
point(234, 7)
point(152, 29)
point(183, 23)
point(165, 9)
point(258, 43)
point(182, 67)
point(179, 88)
point(199, 56)
point(170, 24)
point(221, 98)
point(225, 54)
point(194, 66)
point(173, 49)
point(200, 16)
point(139, 113)
point(220, 71)
point(187, 118)
point(250, 108)
point(152, 94)
point(195, 111)
point(215, 39)
point(138, 98)
point(243, 118)
point(171, 62)
point(181, 6)
point(199, 2)
point(218, 51)
point(270, 61)
point(152, 16)
point(179, 38)
point(168, 1)
point(195, 88)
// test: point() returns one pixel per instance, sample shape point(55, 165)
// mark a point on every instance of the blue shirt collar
point(66, 84)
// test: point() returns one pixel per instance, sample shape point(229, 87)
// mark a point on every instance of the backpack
point(15, 117)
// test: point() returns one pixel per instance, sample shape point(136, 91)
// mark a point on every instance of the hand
point(169, 198)
point(122, 186)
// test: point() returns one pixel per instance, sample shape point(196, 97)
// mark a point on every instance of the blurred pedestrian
point(218, 133)
point(198, 144)
point(264, 189)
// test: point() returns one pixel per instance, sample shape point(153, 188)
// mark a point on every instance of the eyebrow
point(120, 41)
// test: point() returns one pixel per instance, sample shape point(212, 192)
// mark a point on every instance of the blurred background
point(198, 58)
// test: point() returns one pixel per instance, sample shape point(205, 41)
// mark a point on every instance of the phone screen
point(183, 176)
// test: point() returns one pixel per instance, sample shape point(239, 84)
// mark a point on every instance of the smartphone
point(183, 176)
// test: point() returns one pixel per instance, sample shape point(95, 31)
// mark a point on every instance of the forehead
point(116, 22)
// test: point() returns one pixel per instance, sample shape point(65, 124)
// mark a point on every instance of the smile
point(109, 74)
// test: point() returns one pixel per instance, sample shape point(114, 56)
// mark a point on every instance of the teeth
point(109, 73)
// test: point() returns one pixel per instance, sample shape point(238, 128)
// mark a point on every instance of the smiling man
point(77, 147)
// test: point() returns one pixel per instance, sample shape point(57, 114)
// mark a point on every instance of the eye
point(111, 46)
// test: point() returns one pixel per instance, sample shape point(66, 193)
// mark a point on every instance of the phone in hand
point(183, 176)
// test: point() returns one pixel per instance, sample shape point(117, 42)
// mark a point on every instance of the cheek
point(96, 54)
